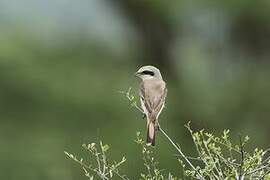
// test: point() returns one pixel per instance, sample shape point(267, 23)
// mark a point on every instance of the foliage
point(101, 167)
point(218, 158)
point(151, 164)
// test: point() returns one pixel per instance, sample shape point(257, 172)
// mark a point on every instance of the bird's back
point(153, 92)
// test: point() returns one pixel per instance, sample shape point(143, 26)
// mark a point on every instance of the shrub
point(217, 158)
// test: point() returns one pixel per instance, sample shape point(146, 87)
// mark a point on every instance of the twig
point(268, 158)
point(242, 158)
point(265, 174)
point(209, 153)
point(258, 169)
point(99, 166)
point(131, 99)
point(180, 152)
point(84, 166)
point(191, 158)
point(146, 164)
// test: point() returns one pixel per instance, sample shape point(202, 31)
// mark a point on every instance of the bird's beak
point(137, 74)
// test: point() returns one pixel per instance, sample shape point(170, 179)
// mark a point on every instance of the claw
point(143, 116)
point(157, 127)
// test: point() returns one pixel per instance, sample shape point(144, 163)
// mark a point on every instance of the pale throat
point(147, 77)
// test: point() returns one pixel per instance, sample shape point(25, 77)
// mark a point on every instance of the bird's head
point(148, 72)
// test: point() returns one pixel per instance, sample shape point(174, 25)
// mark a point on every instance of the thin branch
point(209, 153)
point(124, 177)
point(242, 158)
point(131, 99)
point(99, 159)
point(180, 152)
point(268, 158)
point(74, 158)
point(199, 149)
point(189, 157)
point(258, 169)
point(265, 174)
point(99, 166)
point(147, 166)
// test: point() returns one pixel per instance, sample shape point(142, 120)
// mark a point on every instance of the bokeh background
point(63, 63)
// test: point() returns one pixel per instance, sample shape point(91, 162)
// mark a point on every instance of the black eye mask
point(151, 73)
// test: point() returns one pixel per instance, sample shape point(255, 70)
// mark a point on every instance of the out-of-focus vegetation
point(217, 158)
point(63, 63)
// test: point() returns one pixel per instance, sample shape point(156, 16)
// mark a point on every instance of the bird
point(152, 93)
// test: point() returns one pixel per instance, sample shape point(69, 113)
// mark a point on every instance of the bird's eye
point(151, 73)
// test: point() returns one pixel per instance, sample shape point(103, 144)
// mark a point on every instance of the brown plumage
point(152, 94)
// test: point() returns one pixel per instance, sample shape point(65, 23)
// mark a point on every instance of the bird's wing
point(145, 104)
point(161, 100)
point(153, 96)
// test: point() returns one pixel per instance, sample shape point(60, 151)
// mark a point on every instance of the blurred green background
point(63, 63)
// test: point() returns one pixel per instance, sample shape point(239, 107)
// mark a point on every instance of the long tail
point(151, 133)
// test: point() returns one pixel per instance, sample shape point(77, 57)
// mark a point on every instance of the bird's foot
point(157, 127)
point(143, 116)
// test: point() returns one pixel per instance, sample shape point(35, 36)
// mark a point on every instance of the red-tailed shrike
point(152, 95)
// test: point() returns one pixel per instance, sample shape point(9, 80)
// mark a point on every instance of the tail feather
point(151, 133)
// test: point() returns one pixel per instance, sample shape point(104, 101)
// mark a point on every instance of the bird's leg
point(143, 116)
point(157, 126)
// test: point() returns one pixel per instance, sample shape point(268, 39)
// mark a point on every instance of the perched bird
point(152, 95)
